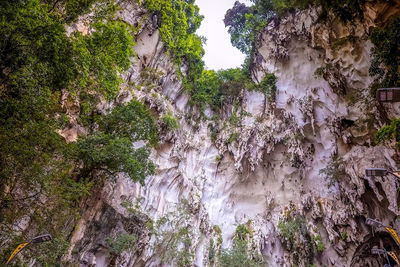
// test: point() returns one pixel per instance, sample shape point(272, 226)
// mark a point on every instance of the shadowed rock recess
point(284, 185)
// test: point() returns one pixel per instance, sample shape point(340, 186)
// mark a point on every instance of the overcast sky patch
point(219, 52)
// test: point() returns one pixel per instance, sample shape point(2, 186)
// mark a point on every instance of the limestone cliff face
point(304, 155)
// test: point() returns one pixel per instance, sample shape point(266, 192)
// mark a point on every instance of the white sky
point(219, 52)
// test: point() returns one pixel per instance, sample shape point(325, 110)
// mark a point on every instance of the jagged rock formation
point(266, 166)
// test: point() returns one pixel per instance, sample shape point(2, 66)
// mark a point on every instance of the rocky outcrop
point(306, 154)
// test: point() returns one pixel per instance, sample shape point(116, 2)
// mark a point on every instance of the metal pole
point(395, 173)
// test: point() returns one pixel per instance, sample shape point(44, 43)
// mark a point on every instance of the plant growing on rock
point(178, 21)
point(173, 237)
point(245, 23)
point(291, 228)
point(233, 137)
point(239, 255)
point(389, 133)
point(268, 87)
point(385, 65)
point(318, 244)
point(321, 71)
point(296, 237)
point(121, 243)
point(40, 63)
point(334, 171)
point(343, 235)
point(170, 121)
point(110, 149)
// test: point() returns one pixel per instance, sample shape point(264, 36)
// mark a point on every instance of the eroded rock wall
point(270, 163)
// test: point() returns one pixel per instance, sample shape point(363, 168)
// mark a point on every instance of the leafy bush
point(215, 88)
point(385, 65)
point(173, 236)
point(389, 133)
point(170, 121)
point(114, 154)
point(245, 23)
point(133, 121)
point(343, 235)
point(323, 70)
point(40, 62)
point(238, 255)
point(179, 20)
point(268, 86)
point(232, 137)
point(121, 243)
point(290, 228)
point(318, 245)
point(334, 171)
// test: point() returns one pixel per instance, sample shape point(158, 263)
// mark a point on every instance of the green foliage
point(54, 250)
point(268, 86)
point(174, 237)
point(385, 65)
point(211, 252)
point(245, 23)
point(343, 235)
point(133, 121)
point(318, 245)
point(70, 10)
point(215, 88)
point(121, 243)
point(242, 231)
point(102, 55)
point(170, 121)
point(389, 133)
point(281, 6)
point(110, 148)
point(238, 255)
point(179, 20)
point(323, 70)
point(40, 62)
point(114, 154)
point(232, 138)
point(217, 229)
point(290, 228)
point(345, 10)
point(334, 171)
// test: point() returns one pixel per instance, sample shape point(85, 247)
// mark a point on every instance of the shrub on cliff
point(245, 23)
point(239, 254)
point(39, 62)
point(216, 87)
point(178, 22)
point(385, 64)
point(385, 67)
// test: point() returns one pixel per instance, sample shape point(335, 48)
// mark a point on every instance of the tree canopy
point(39, 63)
